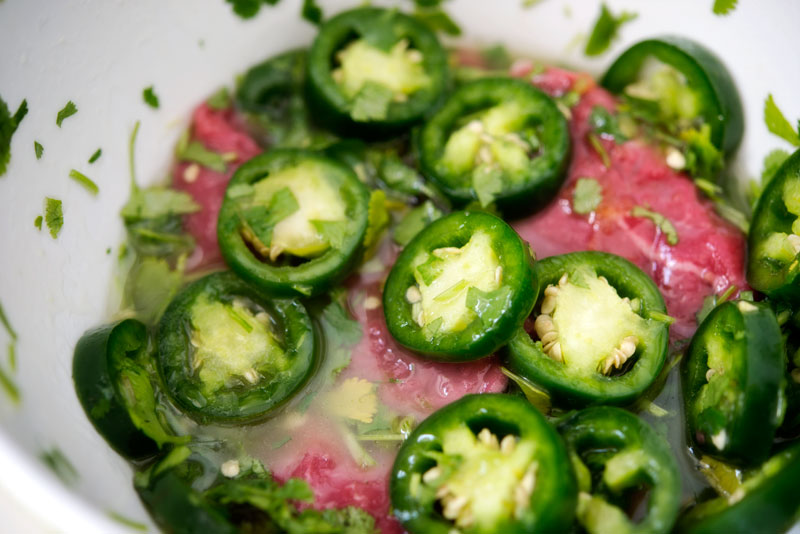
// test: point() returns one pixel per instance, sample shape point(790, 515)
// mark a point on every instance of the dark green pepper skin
point(720, 105)
point(316, 275)
point(547, 169)
point(749, 334)
point(476, 340)
point(552, 504)
point(769, 504)
point(384, 28)
point(598, 433)
point(237, 404)
point(780, 282)
point(95, 371)
point(525, 358)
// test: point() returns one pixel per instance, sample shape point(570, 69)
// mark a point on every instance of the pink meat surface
point(217, 131)
point(710, 254)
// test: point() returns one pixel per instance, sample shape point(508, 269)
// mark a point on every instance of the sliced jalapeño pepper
point(292, 222)
point(484, 464)
point(733, 380)
point(372, 72)
point(600, 332)
point(687, 84)
point(767, 501)
point(619, 461)
point(497, 140)
point(228, 355)
point(112, 376)
point(460, 288)
point(773, 265)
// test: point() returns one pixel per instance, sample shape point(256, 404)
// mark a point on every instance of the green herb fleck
point(60, 465)
point(7, 324)
point(96, 155)
point(68, 110)
point(597, 144)
point(588, 194)
point(311, 12)
point(38, 149)
point(8, 125)
point(496, 57)
point(37, 222)
point(150, 97)
point(12, 355)
point(605, 30)
point(377, 221)
point(219, 100)
point(85, 181)
point(196, 152)
point(122, 520)
point(249, 8)
point(280, 443)
point(435, 18)
point(539, 398)
point(663, 224)
point(703, 159)
point(604, 123)
point(53, 216)
point(778, 124)
point(415, 221)
point(371, 102)
point(8, 385)
point(712, 301)
point(723, 7)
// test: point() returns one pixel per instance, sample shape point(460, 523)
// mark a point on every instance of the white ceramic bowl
point(101, 54)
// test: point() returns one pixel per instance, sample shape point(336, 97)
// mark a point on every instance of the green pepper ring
point(475, 341)
point(94, 373)
point(548, 170)
point(604, 427)
point(770, 215)
point(316, 275)
point(749, 435)
point(333, 106)
point(554, 497)
point(721, 107)
point(525, 358)
point(251, 403)
point(274, 79)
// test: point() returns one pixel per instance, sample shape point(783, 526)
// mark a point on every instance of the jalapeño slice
point(497, 140)
point(484, 464)
point(733, 380)
point(228, 355)
point(600, 332)
point(372, 71)
point(773, 265)
point(292, 222)
point(460, 288)
point(617, 457)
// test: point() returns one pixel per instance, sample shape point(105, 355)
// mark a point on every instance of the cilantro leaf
point(262, 219)
point(723, 7)
point(311, 12)
point(37, 222)
point(777, 123)
point(496, 57)
point(96, 155)
point(245, 8)
point(85, 181)
point(38, 149)
point(415, 221)
point(703, 159)
point(377, 221)
point(150, 286)
point(68, 110)
point(60, 465)
point(598, 147)
point(437, 20)
point(7, 324)
point(332, 232)
point(152, 218)
point(371, 102)
point(487, 182)
point(605, 30)
point(8, 385)
point(588, 194)
point(155, 202)
point(150, 97)
point(489, 306)
point(196, 152)
point(53, 216)
point(604, 123)
point(663, 224)
point(8, 125)
point(219, 100)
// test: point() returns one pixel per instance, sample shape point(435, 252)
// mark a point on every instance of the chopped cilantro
point(605, 124)
point(588, 194)
point(778, 124)
point(663, 224)
point(196, 152)
point(539, 398)
point(68, 110)
point(219, 100)
point(53, 216)
point(262, 219)
point(487, 182)
point(60, 465)
point(311, 12)
point(772, 162)
point(8, 385)
point(249, 8)
point(8, 125)
point(150, 97)
point(38, 149)
point(7, 324)
point(712, 301)
point(371, 102)
point(96, 155)
point(122, 520)
point(597, 144)
point(415, 221)
point(496, 57)
point(377, 221)
point(605, 30)
point(155, 202)
point(37, 222)
point(703, 159)
point(150, 286)
point(131, 159)
point(85, 181)
point(333, 232)
point(436, 19)
point(723, 7)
